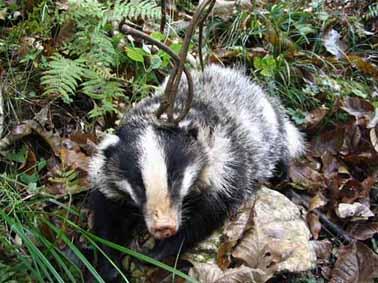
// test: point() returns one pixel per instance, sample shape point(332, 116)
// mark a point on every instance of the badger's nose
point(164, 231)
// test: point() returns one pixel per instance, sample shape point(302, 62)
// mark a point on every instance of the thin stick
point(200, 34)
point(163, 106)
point(174, 80)
point(1, 111)
point(163, 16)
point(339, 232)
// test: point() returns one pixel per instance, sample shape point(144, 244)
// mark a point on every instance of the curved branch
point(175, 77)
point(164, 103)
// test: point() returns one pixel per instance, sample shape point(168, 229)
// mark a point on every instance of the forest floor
point(67, 75)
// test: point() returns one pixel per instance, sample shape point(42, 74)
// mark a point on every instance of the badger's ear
point(108, 141)
point(197, 131)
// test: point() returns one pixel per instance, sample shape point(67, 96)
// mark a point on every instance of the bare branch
point(1, 111)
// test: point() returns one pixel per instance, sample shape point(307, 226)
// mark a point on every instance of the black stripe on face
point(179, 154)
point(122, 161)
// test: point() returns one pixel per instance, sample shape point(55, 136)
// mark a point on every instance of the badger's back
point(255, 120)
point(250, 131)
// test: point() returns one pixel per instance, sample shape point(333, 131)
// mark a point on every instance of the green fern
point(146, 9)
point(372, 11)
point(94, 13)
point(105, 91)
point(62, 77)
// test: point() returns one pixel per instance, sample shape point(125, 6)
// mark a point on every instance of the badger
point(183, 182)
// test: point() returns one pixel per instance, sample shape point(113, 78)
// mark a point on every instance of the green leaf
point(18, 156)
point(135, 54)
point(28, 179)
point(158, 36)
point(155, 62)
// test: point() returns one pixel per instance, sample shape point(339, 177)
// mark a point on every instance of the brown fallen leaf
point(211, 273)
point(331, 164)
point(363, 230)
point(373, 138)
point(356, 262)
point(314, 224)
point(346, 268)
point(278, 234)
point(71, 156)
point(307, 177)
point(331, 141)
point(317, 201)
point(268, 236)
point(363, 66)
point(313, 118)
point(358, 107)
point(323, 250)
point(368, 263)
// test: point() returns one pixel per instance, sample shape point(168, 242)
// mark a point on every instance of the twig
point(163, 16)
point(163, 105)
point(1, 111)
point(175, 77)
point(200, 33)
point(339, 232)
point(168, 100)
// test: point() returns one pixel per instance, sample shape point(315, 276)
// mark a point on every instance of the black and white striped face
point(155, 167)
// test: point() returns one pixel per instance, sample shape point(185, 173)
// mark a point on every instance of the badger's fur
point(183, 182)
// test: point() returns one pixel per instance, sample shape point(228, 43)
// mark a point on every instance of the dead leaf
point(317, 201)
point(355, 263)
point(278, 234)
point(373, 138)
point(323, 249)
point(66, 32)
point(346, 268)
point(358, 107)
point(308, 178)
point(363, 66)
point(314, 117)
point(355, 209)
point(331, 164)
point(331, 141)
point(211, 273)
point(351, 191)
point(71, 156)
point(333, 44)
point(368, 263)
point(362, 158)
point(363, 230)
point(374, 120)
point(29, 165)
point(314, 224)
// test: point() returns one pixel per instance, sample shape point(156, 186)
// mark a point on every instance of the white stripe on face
point(154, 171)
point(125, 186)
point(188, 179)
point(97, 162)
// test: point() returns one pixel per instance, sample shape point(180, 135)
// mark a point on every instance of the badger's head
point(153, 166)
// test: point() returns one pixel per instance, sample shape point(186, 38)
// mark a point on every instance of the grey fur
point(228, 108)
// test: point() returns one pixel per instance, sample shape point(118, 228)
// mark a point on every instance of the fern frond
point(103, 90)
point(146, 9)
point(102, 49)
point(372, 11)
point(84, 10)
point(62, 77)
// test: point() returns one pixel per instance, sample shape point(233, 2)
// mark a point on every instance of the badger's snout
point(162, 231)
point(162, 224)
